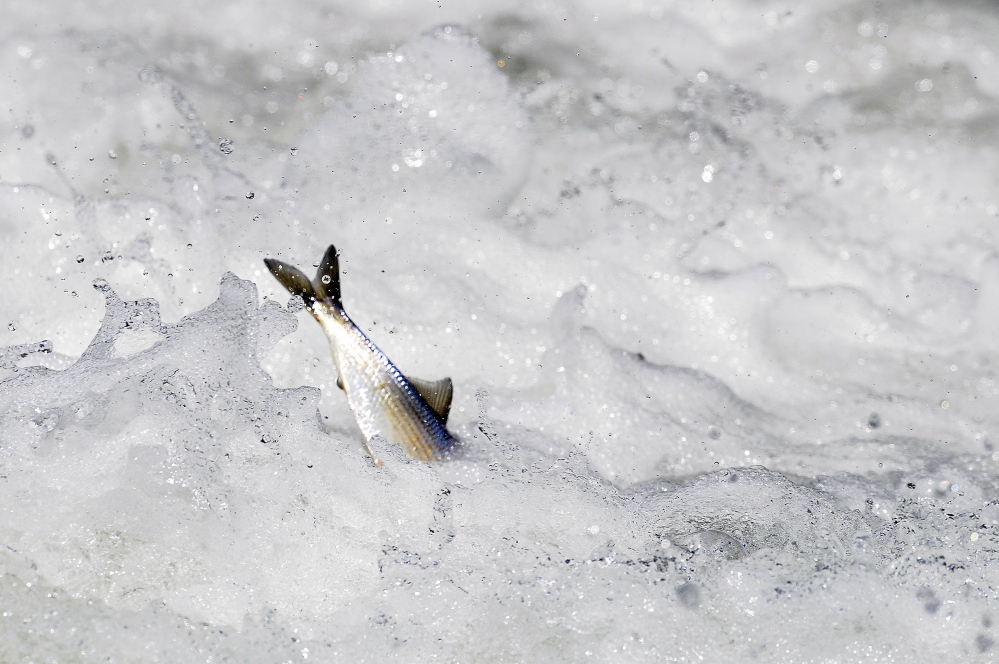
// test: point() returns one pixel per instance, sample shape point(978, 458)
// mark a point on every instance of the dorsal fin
point(293, 279)
point(437, 394)
point(327, 281)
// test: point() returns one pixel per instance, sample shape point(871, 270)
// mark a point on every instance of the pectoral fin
point(339, 383)
point(437, 394)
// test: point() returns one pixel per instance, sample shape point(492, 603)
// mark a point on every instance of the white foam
point(718, 306)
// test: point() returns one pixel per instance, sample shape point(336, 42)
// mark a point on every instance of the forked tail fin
point(325, 286)
point(293, 279)
point(327, 281)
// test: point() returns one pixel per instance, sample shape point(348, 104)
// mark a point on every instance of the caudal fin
point(327, 281)
point(293, 279)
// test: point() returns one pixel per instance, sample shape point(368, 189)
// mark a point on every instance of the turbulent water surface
point(717, 284)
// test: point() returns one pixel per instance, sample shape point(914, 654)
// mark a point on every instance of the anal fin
point(437, 394)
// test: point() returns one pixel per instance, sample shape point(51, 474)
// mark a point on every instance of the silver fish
point(385, 403)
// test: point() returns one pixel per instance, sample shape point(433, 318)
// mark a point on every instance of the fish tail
point(293, 279)
point(327, 282)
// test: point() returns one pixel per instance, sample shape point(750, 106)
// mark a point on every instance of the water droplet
point(225, 145)
point(249, 196)
point(326, 278)
point(112, 154)
point(28, 131)
point(79, 259)
point(12, 326)
point(294, 151)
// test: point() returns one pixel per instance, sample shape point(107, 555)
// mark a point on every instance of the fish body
point(386, 404)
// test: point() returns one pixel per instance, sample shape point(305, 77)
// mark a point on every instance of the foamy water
point(716, 285)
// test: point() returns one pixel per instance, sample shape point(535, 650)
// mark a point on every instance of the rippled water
point(717, 286)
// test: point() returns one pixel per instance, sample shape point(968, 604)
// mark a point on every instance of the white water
point(717, 286)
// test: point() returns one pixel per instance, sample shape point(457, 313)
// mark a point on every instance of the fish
point(386, 404)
